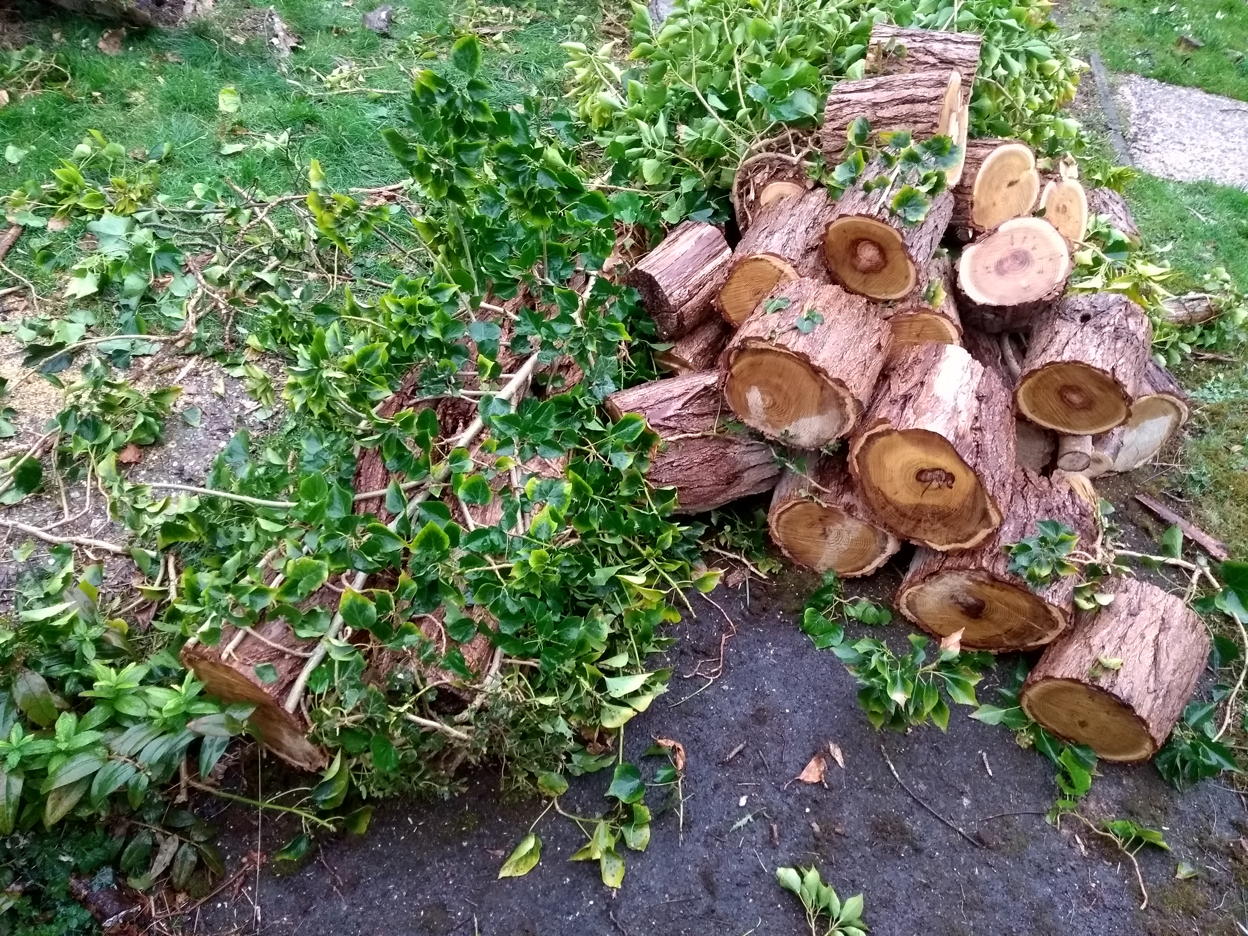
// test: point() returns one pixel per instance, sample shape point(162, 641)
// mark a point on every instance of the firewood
point(680, 278)
point(1111, 206)
point(923, 102)
point(928, 313)
point(872, 251)
point(1034, 446)
point(708, 461)
point(697, 351)
point(999, 183)
point(935, 456)
point(818, 521)
point(1065, 206)
point(1009, 277)
point(783, 243)
point(764, 179)
point(1119, 680)
point(1194, 308)
point(1158, 410)
point(1085, 356)
point(801, 369)
point(895, 50)
point(1074, 453)
point(975, 592)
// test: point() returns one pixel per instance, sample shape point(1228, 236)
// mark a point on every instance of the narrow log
point(801, 369)
point(783, 243)
point(1065, 205)
point(709, 462)
point(680, 278)
point(764, 179)
point(935, 456)
point(1034, 446)
point(1214, 547)
point(1193, 308)
point(1085, 357)
point(872, 251)
point(1158, 411)
point(999, 183)
point(1119, 680)
point(697, 351)
point(1074, 453)
point(922, 102)
point(1009, 277)
point(1111, 206)
point(818, 521)
point(896, 50)
point(928, 313)
point(975, 592)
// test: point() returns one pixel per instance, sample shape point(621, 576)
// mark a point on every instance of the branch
point(65, 540)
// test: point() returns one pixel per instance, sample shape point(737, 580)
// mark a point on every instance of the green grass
point(1147, 38)
point(1198, 224)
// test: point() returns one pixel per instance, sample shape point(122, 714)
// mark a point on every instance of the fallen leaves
point(110, 42)
point(130, 455)
point(953, 641)
point(280, 37)
point(676, 750)
point(816, 771)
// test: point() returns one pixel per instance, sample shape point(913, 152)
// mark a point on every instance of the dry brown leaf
point(815, 771)
point(953, 641)
point(58, 223)
point(110, 42)
point(837, 754)
point(130, 455)
point(678, 752)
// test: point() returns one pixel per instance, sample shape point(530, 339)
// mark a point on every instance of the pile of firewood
point(974, 394)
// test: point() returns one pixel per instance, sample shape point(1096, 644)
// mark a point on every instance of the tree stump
point(680, 278)
point(1085, 356)
point(935, 456)
point(802, 368)
point(872, 251)
point(1157, 412)
point(1119, 680)
point(976, 593)
point(923, 102)
point(928, 313)
point(1009, 277)
point(1065, 206)
point(783, 243)
point(1111, 206)
point(818, 521)
point(699, 350)
point(707, 461)
point(999, 183)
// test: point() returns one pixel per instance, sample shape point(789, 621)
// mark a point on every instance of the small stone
point(380, 19)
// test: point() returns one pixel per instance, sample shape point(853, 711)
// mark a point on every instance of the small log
point(1009, 277)
point(1190, 309)
point(709, 462)
point(1034, 446)
point(697, 351)
point(1214, 547)
point(1065, 206)
point(1085, 356)
point(1119, 680)
point(923, 102)
point(976, 593)
point(818, 521)
point(680, 278)
point(764, 179)
point(1074, 453)
point(801, 369)
point(999, 183)
point(935, 456)
point(1158, 410)
point(928, 313)
point(872, 251)
point(783, 243)
point(896, 50)
point(1111, 206)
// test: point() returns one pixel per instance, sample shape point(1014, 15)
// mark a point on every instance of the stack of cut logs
point(974, 394)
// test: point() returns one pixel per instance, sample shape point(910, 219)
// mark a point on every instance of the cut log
point(818, 521)
point(895, 50)
point(1074, 453)
point(1065, 206)
point(764, 179)
point(680, 278)
point(1012, 275)
point(975, 592)
point(922, 102)
point(1119, 680)
point(709, 462)
point(1111, 206)
point(999, 183)
point(1190, 309)
point(1035, 447)
point(783, 243)
point(935, 457)
point(872, 251)
point(697, 351)
point(1158, 411)
point(1085, 357)
point(928, 313)
point(802, 368)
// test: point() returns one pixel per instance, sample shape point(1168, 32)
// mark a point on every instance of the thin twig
point(915, 796)
point(85, 541)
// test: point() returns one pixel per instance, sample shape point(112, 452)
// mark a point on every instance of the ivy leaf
point(910, 204)
point(858, 131)
point(266, 673)
point(302, 577)
point(466, 55)
point(626, 784)
point(523, 858)
point(228, 100)
point(357, 610)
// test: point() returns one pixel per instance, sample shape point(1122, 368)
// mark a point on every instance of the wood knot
point(1015, 261)
point(971, 606)
point(934, 477)
point(1074, 397)
point(868, 256)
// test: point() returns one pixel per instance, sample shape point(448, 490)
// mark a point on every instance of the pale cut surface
point(1006, 186)
point(869, 257)
point(1152, 421)
point(1021, 261)
point(911, 328)
point(780, 395)
point(1065, 205)
point(1072, 397)
point(959, 128)
point(826, 538)
point(1090, 716)
point(977, 603)
point(778, 191)
point(749, 281)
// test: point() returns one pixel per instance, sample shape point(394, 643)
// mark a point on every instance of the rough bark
point(928, 313)
point(1119, 680)
point(976, 593)
point(801, 369)
point(1158, 410)
point(1065, 205)
point(818, 521)
point(895, 50)
point(1111, 206)
point(999, 182)
point(935, 456)
point(764, 179)
point(785, 242)
point(872, 251)
point(680, 278)
point(1034, 446)
point(700, 455)
point(697, 351)
point(1009, 277)
point(1085, 357)
point(923, 102)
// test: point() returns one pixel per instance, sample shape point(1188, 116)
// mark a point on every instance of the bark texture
point(895, 50)
point(680, 278)
point(1034, 446)
point(1010, 277)
point(802, 368)
point(708, 462)
point(923, 102)
point(1111, 206)
point(1119, 680)
point(697, 351)
point(762, 180)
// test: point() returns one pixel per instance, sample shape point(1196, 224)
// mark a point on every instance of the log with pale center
point(1012, 275)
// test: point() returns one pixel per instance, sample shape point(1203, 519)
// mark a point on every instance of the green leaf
point(626, 784)
point(10, 799)
point(1172, 542)
point(910, 204)
point(301, 578)
point(228, 100)
point(193, 416)
point(61, 800)
point(266, 673)
point(33, 696)
point(523, 858)
point(551, 783)
point(611, 868)
point(466, 55)
point(619, 687)
point(14, 155)
point(357, 610)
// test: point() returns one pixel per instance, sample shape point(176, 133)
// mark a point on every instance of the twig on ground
point(915, 796)
point(9, 239)
point(84, 541)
